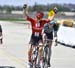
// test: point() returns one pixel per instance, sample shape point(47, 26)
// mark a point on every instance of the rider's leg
point(40, 51)
point(31, 47)
point(49, 36)
point(40, 54)
point(30, 53)
point(49, 54)
point(44, 37)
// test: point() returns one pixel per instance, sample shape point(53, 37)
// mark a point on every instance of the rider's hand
point(55, 39)
point(25, 6)
point(25, 10)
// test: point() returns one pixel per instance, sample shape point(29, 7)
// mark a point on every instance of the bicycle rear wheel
point(35, 58)
point(45, 57)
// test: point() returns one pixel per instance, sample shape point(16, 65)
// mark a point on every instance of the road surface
point(13, 51)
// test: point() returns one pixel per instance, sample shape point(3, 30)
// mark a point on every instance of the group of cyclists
point(42, 29)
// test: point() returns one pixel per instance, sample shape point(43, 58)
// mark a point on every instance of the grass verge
point(12, 19)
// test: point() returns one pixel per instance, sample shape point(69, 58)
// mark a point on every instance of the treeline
point(38, 7)
point(61, 7)
point(10, 8)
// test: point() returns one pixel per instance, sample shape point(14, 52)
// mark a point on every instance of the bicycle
point(35, 57)
point(45, 53)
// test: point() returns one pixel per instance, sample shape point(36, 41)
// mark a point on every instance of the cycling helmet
point(39, 15)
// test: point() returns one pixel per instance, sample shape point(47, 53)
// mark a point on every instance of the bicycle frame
point(45, 53)
point(35, 57)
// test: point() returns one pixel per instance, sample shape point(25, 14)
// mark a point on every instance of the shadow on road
point(66, 45)
point(6, 67)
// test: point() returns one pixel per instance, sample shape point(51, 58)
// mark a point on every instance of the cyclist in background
point(47, 33)
point(37, 24)
point(1, 38)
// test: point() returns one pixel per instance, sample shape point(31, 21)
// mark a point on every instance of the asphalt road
point(13, 51)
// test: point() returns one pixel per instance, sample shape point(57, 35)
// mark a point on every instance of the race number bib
point(38, 24)
point(36, 34)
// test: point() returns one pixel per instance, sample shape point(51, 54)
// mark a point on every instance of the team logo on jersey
point(38, 24)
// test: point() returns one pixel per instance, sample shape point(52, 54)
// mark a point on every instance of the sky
point(32, 2)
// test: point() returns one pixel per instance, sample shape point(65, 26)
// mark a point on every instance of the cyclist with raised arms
point(47, 32)
point(37, 24)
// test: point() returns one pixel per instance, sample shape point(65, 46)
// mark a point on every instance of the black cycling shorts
point(35, 39)
point(49, 35)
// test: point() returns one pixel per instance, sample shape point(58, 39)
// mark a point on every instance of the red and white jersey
point(37, 26)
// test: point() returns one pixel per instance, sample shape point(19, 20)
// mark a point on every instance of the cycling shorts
point(35, 39)
point(49, 35)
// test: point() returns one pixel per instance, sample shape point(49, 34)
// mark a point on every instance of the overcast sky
point(32, 2)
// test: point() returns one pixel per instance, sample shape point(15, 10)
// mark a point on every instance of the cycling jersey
point(49, 27)
point(37, 26)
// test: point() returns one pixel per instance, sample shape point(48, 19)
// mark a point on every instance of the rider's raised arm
point(52, 13)
point(26, 13)
point(51, 17)
point(25, 10)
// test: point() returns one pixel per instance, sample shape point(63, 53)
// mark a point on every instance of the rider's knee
point(50, 44)
point(40, 48)
point(30, 49)
point(44, 36)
